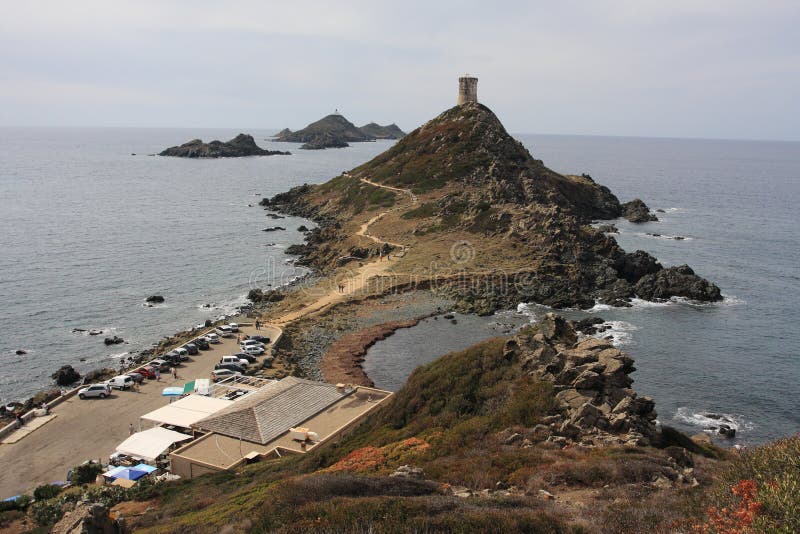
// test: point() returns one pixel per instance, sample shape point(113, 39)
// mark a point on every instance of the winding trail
point(349, 285)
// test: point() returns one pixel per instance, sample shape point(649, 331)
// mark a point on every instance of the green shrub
point(85, 473)
point(46, 491)
point(46, 513)
point(9, 516)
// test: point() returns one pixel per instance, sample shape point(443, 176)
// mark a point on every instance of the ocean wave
point(100, 331)
point(620, 332)
point(710, 421)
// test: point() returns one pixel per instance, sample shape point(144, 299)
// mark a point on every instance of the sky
point(680, 68)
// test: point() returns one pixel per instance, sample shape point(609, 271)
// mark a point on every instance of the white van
point(212, 338)
point(120, 382)
point(235, 360)
point(234, 327)
point(224, 331)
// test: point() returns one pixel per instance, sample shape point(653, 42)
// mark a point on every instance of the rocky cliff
point(240, 146)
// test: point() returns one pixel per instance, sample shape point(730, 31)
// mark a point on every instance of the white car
point(251, 343)
point(235, 360)
point(234, 327)
point(224, 331)
point(221, 374)
point(255, 350)
point(95, 390)
point(120, 382)
point(212, 338)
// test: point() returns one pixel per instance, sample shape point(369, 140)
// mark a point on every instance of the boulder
point(66, 375)
point(86, 517)
point(636, 211)
point(677, 282)
point(113, 340)
point(20, 352)
point(155, 299)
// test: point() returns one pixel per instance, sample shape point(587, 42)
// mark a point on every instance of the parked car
point(235, 359)
point(251, 342)
point(146, 372)
point(120, 382)
point(161, 365)
point(201, 343)
point(220, 374)
point(137, 377)
point(230, 366)
point(244, 356)
point(182, 353)
point(95, 390)
point(212, 338)
point(234, 326)
point(191, 348)
point(173, 358)
point(260, 339)
point(224, 331)
point(256, 350)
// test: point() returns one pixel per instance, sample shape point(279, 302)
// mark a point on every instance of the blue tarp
point(144, 467)
point(131, 474)
point(12, 499)
point(113, 473)
point(172, 392)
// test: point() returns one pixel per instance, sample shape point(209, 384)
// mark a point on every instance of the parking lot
point(92, 428)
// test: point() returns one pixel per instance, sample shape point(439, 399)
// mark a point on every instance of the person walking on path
point(130, 429)
point(258, 325)
point(175, 372)
point(158, 375)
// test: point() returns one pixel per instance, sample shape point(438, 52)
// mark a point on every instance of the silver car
point(95, 390)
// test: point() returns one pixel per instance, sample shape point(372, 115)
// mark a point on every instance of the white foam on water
point(711, 420)
point(598, 307)
point(664, 236)
point(621, 332)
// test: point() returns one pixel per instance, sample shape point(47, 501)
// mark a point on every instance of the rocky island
point(240, 146)
point(335, 131)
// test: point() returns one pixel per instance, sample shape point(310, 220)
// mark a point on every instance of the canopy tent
point(113, 472)
point(149, 445)
point(172, 391)
point(186, 411)
point(188, 387)
point(144, 467)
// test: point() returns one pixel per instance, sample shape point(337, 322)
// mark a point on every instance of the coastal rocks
point(66, 375)
point(592, 384)
point(637, 264)
point(636, 211)
point(608, 229)
point(20, 352)
point(323, 141)
point(240, 146)
point(87, 517)
point(154, 299)
point(274, 229)
point(677, 282)
point(113, 340)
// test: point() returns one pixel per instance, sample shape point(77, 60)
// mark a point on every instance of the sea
point(93, 223)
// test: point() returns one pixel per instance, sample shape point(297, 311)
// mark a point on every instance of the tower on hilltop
point(467, 89)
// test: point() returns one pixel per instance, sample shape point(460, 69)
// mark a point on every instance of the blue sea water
point(736, 204)
point(89, 231)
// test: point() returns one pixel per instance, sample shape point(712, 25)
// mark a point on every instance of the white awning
point(186, 411)
point(152, 443)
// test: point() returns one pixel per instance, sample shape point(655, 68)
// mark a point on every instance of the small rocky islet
point(242, 145)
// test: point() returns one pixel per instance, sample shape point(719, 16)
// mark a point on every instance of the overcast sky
point(680, 68)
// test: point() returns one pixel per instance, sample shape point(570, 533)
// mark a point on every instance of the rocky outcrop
point(636, 211)
point(66, 375)
point(240, 146)
point(335, 126)
point(391, 131)
point(323, 141)
point(596, 404)
point(155, 299)
point(113, 340)
point(88, 518)
point(677, 282)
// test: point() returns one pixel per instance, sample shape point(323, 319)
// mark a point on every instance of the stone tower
point(467, 89)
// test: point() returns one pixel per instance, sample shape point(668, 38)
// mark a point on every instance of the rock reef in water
point(240, 146)
point(323, 141)
point(636, 211)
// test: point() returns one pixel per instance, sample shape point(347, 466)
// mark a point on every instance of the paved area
point(29, 427)
point(91, 429)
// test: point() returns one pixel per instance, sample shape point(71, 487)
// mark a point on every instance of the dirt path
point(344, 288)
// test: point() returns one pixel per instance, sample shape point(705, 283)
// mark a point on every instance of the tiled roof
point(272, 410)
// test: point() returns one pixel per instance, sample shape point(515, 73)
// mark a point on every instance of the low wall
point(11, 427)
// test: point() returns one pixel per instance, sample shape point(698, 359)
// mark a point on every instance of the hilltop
point(240, 146)
point(391, 131)
point(464, 196)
